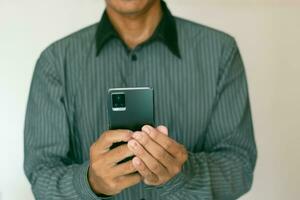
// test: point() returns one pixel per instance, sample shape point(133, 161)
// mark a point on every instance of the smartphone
point(130, 108)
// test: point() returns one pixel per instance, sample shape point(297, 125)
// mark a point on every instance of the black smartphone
point(130, 108)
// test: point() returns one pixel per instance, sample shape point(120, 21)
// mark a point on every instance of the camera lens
point(118, 100)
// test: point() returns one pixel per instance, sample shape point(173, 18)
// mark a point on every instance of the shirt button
point(133, 57)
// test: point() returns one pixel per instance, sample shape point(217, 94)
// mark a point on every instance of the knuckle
point(92, 147)
point(176, 169)
point(99, 172)
point(93, 167)
point(155, 167)
point(161, 154)
point(112, 185)
point(92, 150)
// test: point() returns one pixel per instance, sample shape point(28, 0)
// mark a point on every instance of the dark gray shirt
point(200, 95)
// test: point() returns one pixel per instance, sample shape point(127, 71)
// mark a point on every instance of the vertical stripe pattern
point(201, 97)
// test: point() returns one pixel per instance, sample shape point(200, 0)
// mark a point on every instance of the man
point(204, 148)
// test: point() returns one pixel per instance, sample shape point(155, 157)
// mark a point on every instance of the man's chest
point(183, 95)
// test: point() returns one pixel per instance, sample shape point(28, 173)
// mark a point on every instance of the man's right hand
point(105, 176)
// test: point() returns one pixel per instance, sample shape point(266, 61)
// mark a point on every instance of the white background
point(268, 34)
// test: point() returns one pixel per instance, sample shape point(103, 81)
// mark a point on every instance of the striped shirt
point(200, 95)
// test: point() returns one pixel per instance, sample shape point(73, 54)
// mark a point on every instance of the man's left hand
point(158, 157)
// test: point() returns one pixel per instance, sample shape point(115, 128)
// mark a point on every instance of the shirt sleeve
point(49, 169)
point(224, 169)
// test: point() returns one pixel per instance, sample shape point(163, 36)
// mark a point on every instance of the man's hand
point(105, 177)
point(158, 157)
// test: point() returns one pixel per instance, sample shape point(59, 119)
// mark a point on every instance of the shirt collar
point(166, 32)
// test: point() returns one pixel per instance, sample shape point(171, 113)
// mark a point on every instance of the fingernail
point(146, 129)
point(137, 161)
point(163, 129)
point(132, 144)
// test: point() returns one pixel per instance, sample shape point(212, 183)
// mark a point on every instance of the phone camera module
point(118, 101)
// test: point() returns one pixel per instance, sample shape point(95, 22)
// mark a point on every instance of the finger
point(144, 171)
point(162, 129)
point(124, 169)
point(155, 166)
point(128, 180)
point(112, 136)
point(166, 142)
point(118, 154)
point(157, 151)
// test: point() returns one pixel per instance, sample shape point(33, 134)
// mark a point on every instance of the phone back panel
point(139, 109)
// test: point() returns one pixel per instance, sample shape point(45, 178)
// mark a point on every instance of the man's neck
point(137, 28)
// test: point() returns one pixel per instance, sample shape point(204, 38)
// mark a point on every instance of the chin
point(130, 7)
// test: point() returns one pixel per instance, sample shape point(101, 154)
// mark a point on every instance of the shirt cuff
point(81, 183)
point(171, 186)
point(176, 183)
